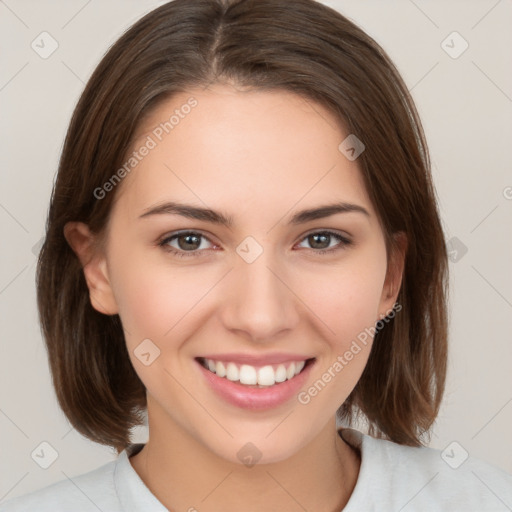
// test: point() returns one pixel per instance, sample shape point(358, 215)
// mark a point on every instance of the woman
point(243, 242)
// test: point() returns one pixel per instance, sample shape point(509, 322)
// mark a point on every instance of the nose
point(260, 303)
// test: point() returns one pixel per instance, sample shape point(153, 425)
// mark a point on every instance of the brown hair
point(295, 45)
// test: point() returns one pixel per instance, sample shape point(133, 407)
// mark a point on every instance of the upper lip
point(257, 360)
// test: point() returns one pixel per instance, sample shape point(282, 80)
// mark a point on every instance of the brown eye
point(188, 243)
point(319, 241)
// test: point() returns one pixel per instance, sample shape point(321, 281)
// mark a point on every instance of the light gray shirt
point(392, 478)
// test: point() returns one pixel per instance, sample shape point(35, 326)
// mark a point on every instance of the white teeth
point(219, 369)
point(232, 372)
point(249, 375)
point(299, 366)
point(281, 373)
point(266, 376)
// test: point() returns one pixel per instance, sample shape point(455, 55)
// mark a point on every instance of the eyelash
point(345, 242)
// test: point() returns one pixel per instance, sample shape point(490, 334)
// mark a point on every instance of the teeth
point(219, 368)
point(266, 376)
point(281, 373)
point(232, 372)
point(249, 375)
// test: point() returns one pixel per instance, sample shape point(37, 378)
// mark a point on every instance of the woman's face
point(262, 291)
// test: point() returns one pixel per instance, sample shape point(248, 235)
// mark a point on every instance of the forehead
point(230, 149)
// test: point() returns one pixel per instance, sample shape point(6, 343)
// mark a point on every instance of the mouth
point(255, 386)
point(265, 376)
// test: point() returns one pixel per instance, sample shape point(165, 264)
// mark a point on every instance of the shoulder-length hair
point(300, 46)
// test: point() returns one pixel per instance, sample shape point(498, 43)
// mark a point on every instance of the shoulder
point(421, 478)
point(90, 491)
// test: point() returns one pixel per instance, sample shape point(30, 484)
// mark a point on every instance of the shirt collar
point(132, 492)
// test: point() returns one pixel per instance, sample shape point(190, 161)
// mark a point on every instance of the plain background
point(465, 104)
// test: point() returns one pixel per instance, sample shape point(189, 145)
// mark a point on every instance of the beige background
point(466, 106)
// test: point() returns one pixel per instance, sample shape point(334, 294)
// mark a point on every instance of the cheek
point(158, 302)
point(347, 299)
point(154, 301)
point(347, 305)
point(152, 294)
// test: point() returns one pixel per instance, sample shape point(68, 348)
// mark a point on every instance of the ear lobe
point(394, 275)
point(94, 264)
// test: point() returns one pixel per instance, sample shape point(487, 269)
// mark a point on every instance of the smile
point(262, 385)
point(264, 376)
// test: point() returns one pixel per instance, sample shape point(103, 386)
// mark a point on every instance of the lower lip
point(256, 398)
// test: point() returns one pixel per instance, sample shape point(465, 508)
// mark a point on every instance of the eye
point(319, 238)
point(189, 243)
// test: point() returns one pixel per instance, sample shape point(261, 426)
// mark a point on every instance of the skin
point(258, 156)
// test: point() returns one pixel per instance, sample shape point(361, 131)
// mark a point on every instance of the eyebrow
point(215, 217)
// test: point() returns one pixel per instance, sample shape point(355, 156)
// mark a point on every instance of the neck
point(184, 475)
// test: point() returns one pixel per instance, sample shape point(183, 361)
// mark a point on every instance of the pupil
point(188, 238)
point(315, 236)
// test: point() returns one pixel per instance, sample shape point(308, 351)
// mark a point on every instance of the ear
point(394, 275)
point(93, 260)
